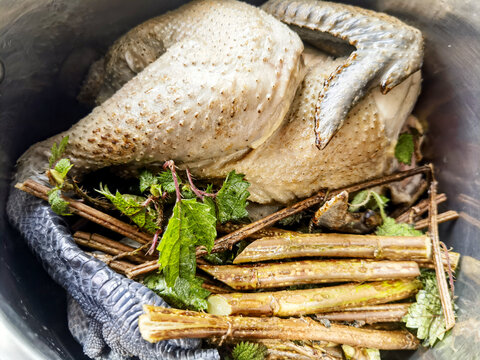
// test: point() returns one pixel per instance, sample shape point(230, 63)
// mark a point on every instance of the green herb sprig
point(249, 351)
point(370, 199)
point(57, 173)
point(426, 314)
point(192, 223)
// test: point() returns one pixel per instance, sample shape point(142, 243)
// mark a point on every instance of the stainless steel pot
point(45, 49)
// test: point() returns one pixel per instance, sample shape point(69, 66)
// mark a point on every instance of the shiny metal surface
point(45, 48)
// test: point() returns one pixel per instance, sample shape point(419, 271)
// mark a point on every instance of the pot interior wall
point(46, 47)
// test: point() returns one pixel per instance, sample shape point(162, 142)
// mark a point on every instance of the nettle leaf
point(57, 151)
point(169, 247)
point(232, 198)
point(368, 199)
point(63, 166)
point(185, 294)
point(187, 192)
point(165, 179)
point(59, 173)
point(200, 223)
point(147, 179)
point(249, 351)
point(150, 222)
point(359, 200)
point(57, 203)
point(208, 201)
point(405, 148)
point(156, 190)
point(132, 206)
point(128, 204)
point(426, 314)
point(191, 224)
point(192, 293)
point(391, 228)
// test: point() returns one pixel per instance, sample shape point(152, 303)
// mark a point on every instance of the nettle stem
point(111, 247)
point(171, 165)
point(271, 275)
point(119, 266)
point(295, 245)
point(266, 232)
point(160, 323)
point(79, 208)
point(200, 194)
point(441, 218)
point(411, 214)
point(369, 314)
point(445, 297)
point(311, 301)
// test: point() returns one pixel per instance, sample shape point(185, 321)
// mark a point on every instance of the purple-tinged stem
point(196, 190)
point(171, 165)
point(154, 242)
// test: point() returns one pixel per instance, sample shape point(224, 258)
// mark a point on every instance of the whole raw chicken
point(216, 86)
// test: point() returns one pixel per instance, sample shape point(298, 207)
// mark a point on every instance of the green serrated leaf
point(368, 199)
point(147, 179)
point(132, 206)
point(126, 203)
point(391, 228)
point(63, 145)
point(199, 222)
point(426, 314)
point(249, 351)
point(156, 190)
point(208, 201)
point(53, 156)
point(359, 200)
point(169, 247)
point(151, 218)
point(232, 198)
point(165, 179)
point(57, 203)
point(63, 166)
point(404, 148)
point(192, 293)
point(185, 294)
point(57, 151)
point(187, 192)
point(191, 224)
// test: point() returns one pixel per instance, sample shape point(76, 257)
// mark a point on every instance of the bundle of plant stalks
point(335, 279)
point(159, 323)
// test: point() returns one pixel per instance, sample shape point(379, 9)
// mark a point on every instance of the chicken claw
point(387, 52)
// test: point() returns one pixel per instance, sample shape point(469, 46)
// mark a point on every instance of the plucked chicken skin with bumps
point(251, 100)
point(216, 86)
